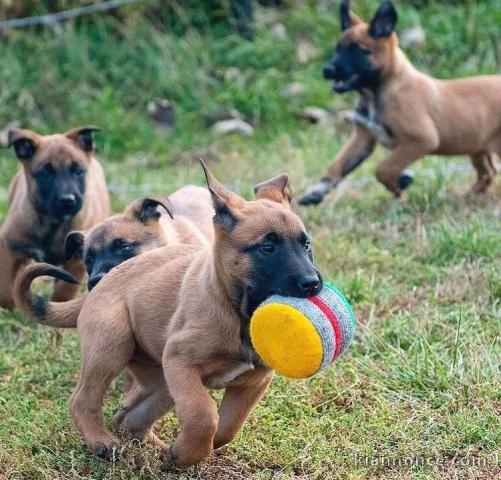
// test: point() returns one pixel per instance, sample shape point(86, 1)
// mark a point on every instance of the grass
point(418, 395)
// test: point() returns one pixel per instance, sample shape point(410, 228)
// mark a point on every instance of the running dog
point(405, 110)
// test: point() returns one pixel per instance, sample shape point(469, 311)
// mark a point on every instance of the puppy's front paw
point(109, 451)
point(184, 455)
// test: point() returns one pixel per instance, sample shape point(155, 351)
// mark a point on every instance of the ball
point(298, 337)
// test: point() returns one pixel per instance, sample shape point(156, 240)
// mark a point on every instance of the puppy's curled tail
point(54, 314)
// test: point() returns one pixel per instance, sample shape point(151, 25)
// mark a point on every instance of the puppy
point(59, 188)
point(178, 318)
point(405, 110)
point(140, 228)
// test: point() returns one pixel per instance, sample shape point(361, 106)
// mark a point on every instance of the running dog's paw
point(405, 180)
point(311, 198)
point(348, 116)
point(315, 194)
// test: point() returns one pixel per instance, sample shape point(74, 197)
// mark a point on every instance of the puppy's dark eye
point(46, 171)
point(77, 170)
point(267, 248)
point(126, 248)
point(122, 247)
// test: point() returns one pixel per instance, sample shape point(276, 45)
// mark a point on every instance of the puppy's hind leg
point(105, 352)
point(147, 401)
point(486, 171)
point(391, 172)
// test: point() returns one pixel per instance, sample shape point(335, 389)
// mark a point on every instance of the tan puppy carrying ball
point(405, 110)
point(59, 188)
point(178, 317)
point(185, 217)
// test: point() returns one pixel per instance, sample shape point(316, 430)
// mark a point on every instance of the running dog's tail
point(54, 314)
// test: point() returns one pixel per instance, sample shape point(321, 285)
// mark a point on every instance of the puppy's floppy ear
point(225, 202)
point(74, 245)
point(348, 18)
point(277, 189)
point(384, 21)
point(25, 143)
point(147, 209)
point(83, 137)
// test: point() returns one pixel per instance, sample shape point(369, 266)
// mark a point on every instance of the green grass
point(421, 381)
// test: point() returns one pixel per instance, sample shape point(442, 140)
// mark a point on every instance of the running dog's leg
point(358, 148)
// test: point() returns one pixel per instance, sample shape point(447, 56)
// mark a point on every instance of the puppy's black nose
point(67, 201)
point(309, 284)
point(94, 280)
point(329, 72)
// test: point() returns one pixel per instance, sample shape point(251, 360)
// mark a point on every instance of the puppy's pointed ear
point(83, 137)
point(74, 245)
point(348, 18)
point(25, 143)
point(384, 21)
point(225, 202)
point(148, 208)
point(277, 189)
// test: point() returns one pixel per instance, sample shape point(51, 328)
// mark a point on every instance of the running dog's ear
point(225, 203)
point(348, 18)
point(25, 143)
point(147, 209)
point(277, 189)
point(384, 21)
point(83, 137)
point(74, 245)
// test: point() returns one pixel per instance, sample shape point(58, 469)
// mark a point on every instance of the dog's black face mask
point(99, 256)
point(352, 66)
point(282, 266)
point(99, 262)
point(351, 69)
point(59, 191)
point(118, 239)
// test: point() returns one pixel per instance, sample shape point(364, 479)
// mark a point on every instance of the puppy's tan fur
point(24, 228)
point(191, 224)
point(414, 115)
point(174, 317)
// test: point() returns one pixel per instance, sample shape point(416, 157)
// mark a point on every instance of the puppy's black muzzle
point(304, 285)
point(310, 285)
point(66, 206)
point(94, 280)
point(329, 72)
point(342, 80)
point(98, 272)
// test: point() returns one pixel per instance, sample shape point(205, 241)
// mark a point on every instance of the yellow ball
point(290, 342)
point(298, 337)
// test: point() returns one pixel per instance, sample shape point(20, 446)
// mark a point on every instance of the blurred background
point(116, 68)
point(240, 83)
